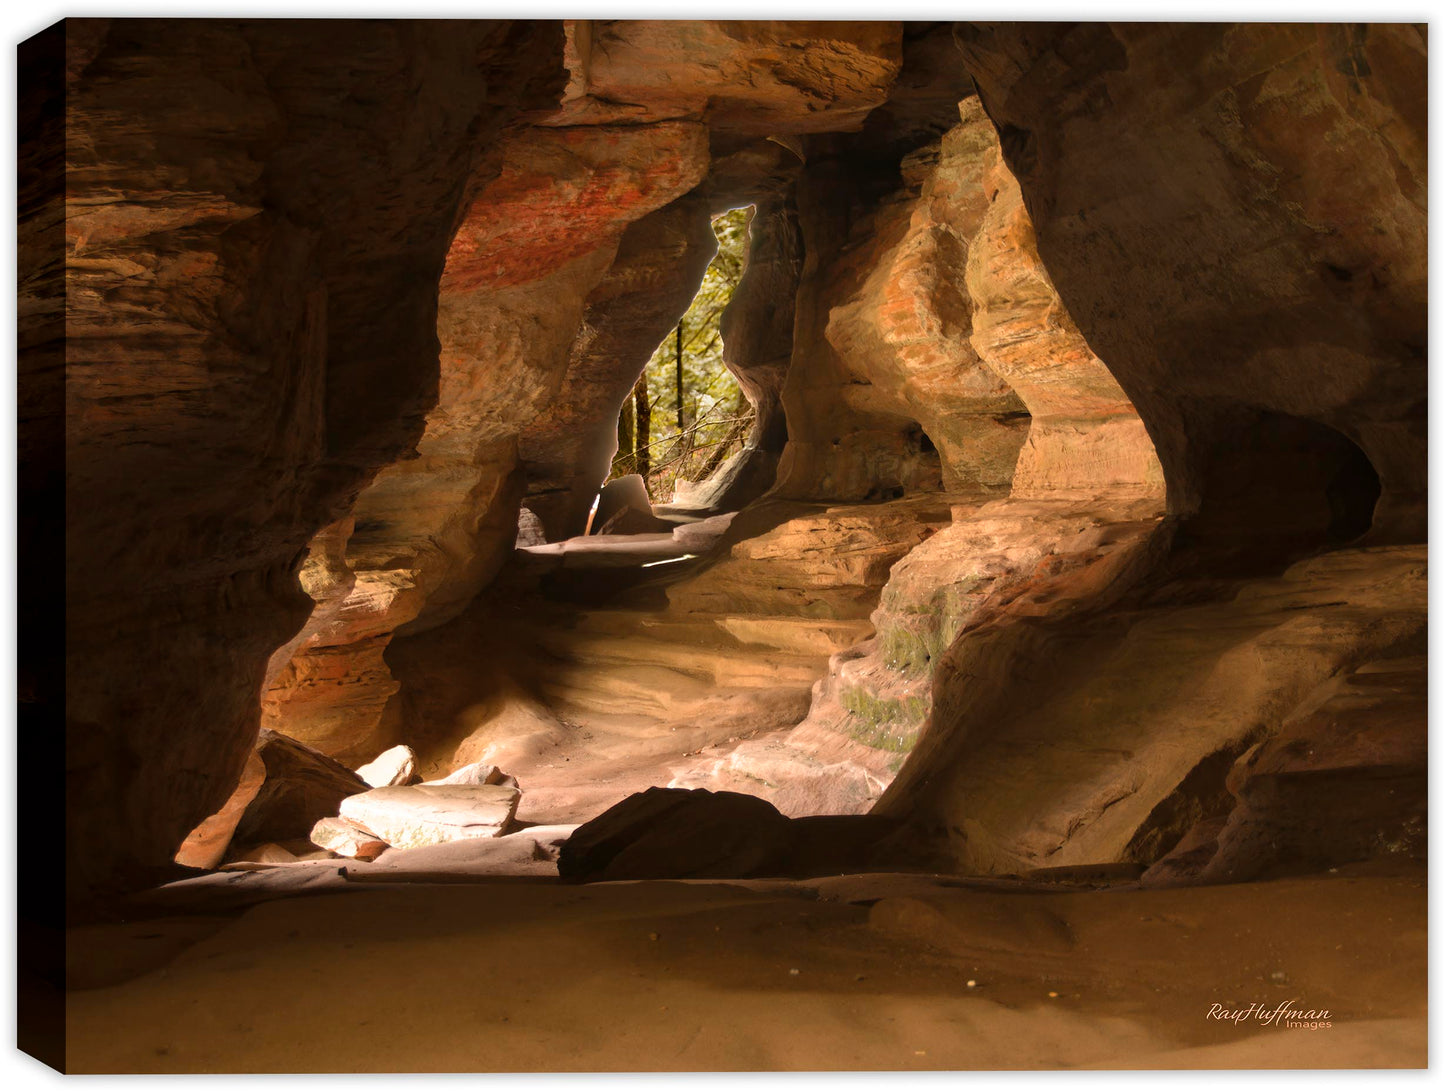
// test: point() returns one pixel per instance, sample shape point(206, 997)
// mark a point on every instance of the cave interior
point(1045, 663)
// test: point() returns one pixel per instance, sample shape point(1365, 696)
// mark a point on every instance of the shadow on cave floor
point(879, 971)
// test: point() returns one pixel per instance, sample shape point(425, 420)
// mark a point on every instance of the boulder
point(476, 773)
point(407, 816)
point(301, 786)
point(268, 854)
point(617, 496)
point(635, 521)
point(678, 833)
point(347, 839)
point(205, 847)
point(530, 531)
point(396, 766)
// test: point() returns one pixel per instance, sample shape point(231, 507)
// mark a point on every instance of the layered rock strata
point(564, 276)
point(950, 322)
point(327, 325)
point(253, 236)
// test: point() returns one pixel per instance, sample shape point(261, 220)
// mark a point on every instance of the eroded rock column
point(432, 529)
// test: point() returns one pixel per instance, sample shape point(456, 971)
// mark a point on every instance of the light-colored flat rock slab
point(407, 816)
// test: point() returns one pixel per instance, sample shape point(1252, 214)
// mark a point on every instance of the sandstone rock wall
point(947, 318)
point(338, 297)
point(433, 528)
point(564, 275)
point(1261, 303)
point(1124, 714)
point(1235, 217)
point(253, 238)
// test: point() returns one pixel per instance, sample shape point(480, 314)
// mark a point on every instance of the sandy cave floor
point(852, 973)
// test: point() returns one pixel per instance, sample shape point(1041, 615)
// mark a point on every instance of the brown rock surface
point(694, 833)
point(435, 528)
point(251, 243)
point(558, 286)
point(754, 77)
point(205, 847)
point(301, 786)
point(951, 321)
point(1234, 215)
point(475, 773)
point(1104, 772)
point(327, 326)
point(620, 494)
point(1344, 779)
point(675, 833)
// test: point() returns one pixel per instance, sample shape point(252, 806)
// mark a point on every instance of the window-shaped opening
point(687, 414)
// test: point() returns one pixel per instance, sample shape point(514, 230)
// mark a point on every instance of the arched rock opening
point(990, 309)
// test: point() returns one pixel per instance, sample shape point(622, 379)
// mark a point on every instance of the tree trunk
point(626, 446)
point(679, 378)
point(644, 427)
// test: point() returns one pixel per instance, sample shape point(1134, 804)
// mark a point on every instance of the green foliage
point(885, 723)
point(716, 413)
point(910, 651)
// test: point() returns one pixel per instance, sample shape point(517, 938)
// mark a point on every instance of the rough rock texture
point(585, 694)
point(326, 326)
point(1241, 244)
point(1235, 216)
point(813, 563)
point(205, 847)
point(557, 288)
point(475, 773)
point(434, 528)
point(1105, 781)
point(755, 77)
point(949, 319)
point(347, 839)
point(252, 240)
point(300, 787)
point(1344, 779)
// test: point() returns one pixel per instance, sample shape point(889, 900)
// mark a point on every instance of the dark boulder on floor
point(699, 834)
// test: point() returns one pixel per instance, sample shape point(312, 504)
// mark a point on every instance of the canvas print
point(598, 545)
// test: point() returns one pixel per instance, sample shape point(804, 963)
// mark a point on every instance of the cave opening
point(687, 413)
